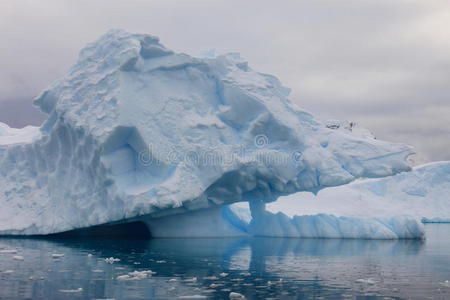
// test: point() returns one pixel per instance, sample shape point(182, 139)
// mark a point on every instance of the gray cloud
point(384, 64)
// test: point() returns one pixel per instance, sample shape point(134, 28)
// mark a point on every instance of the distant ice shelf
point(422, 193)
point(135, 130)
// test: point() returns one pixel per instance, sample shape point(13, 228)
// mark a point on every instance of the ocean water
point(258, 268)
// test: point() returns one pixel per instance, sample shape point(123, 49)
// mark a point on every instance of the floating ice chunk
point(18, 257)
point(136, 275)
point(57, 255)
point(78, 290)
point(368, 281)
point(112, 260)
point(234, 296)
point(445, 283)
point(8, 251)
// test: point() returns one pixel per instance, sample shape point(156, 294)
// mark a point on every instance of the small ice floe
point(223, 274)
point(172, 280)
point(210, 278)
point(234, 296)
point(245, 274)
point(112, 260)
point(123, 277)
point(136, 275)
point(7, 272)
point(161, 261)
point(445, 283)
point(78, 290)
point(193, 279)
point(269, 283)
point(97, 271)
point(172, 288)
point(18, 257)
point(89, 255)
point(57, 255)
point(193, 297)
point(8, 251)
point(369, 281)
point(215, 285)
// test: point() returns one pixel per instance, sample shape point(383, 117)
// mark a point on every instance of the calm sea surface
point(259, 268)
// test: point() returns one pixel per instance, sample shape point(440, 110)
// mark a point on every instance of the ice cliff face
point(135, 129)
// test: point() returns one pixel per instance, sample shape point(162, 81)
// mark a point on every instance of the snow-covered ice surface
point(11, 136)
point(422, 193)
point(136, 130)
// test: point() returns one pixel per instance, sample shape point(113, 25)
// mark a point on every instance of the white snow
point(136, 130)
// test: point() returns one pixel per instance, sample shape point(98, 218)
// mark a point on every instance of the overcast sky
point(382, 63)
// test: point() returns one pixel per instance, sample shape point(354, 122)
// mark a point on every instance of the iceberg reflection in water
point(212, 268)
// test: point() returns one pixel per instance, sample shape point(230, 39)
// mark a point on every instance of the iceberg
point(421, 194)
point(138, 132)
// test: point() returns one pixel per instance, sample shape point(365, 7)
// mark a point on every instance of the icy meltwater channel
point(258, 268)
